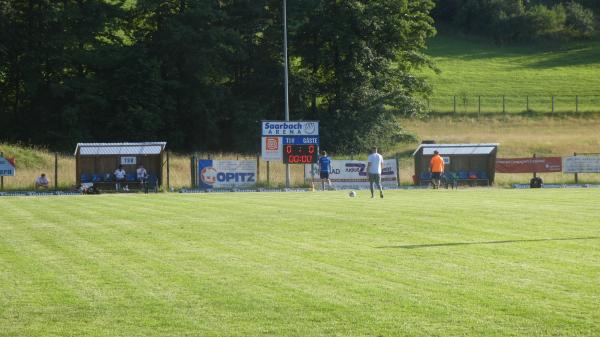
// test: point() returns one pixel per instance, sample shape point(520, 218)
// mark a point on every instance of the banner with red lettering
point(529, 165)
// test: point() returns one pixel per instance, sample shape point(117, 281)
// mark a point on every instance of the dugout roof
point(117, 149)
point(457, 149)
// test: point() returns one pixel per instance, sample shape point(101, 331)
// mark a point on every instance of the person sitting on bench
point(41, 182)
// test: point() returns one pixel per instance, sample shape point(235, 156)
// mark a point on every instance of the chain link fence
point(513, 104)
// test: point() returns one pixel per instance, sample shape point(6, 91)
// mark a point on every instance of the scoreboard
point(300, 154)
point(293, 142)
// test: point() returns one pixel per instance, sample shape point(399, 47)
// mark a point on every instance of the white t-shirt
point(141, 173)
point(41, 181)
point(375, 159)
point(120, 174)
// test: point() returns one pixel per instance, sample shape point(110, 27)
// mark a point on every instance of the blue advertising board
point(7, 167)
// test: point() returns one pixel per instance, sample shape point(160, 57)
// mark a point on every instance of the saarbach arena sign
point(276, 134)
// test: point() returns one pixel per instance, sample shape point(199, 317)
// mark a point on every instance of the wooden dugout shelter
point(100, 159)
point(465, 162)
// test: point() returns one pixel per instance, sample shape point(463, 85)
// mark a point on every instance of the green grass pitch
point(472, 262)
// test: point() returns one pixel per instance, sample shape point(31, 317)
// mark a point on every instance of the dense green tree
point(518, 20)
point(201, 74)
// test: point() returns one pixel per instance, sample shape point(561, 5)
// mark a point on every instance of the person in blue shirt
point(324, 169)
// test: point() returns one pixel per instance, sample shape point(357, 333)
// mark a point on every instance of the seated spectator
point(120, 175)
point(41, 182)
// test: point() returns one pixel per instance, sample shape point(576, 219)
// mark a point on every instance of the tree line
point(202, 74)
point(509, 21)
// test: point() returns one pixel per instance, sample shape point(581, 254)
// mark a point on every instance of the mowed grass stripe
point(260, 264)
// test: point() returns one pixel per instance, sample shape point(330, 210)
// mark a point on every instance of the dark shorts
point(436, 175)
point(324, 175)
point(375, 178)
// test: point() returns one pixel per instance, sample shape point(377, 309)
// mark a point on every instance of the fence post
point(454, 111)
point(398, 170)
point(268, 173)
point(553, 104)
point(478, 106)
point(576, 177)
point(527, 104)
point(503, 104)
point(192, 172)
point(168, 173)
point(257, 168)
point(534, 173)
point(2, 177)
point(56, 171)
point(576, 104)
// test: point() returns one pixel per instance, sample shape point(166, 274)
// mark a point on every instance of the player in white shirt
point(120, 175)
point(374, 169)
point(142, 175)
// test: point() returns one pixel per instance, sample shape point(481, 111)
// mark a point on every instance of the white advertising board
point(353, 174)
point(272, 148)
point(128, 160)
point(291, 128)
point(581, 164)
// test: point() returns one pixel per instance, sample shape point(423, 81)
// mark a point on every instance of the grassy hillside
point(482, 263)
point(472, 67)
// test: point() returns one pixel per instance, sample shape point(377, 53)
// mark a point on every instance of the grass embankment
point(518, 137)
point(483, 262)
point(472, 68)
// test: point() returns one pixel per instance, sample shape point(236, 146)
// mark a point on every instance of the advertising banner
point(7, 167)
point(226, 173)
point(353, 174)
point(291, 128)
point(272, 148)
point(582, 164)
point(529, 165)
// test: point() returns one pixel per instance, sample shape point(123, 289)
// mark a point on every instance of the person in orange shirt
point(436, 167)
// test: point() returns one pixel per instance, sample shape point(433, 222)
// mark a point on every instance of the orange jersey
point(437, 164)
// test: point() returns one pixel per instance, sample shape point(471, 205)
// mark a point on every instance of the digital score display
point(300, 154)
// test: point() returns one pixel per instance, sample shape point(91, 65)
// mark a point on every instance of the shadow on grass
point(449, 244)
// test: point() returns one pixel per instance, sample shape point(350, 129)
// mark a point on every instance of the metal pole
point(552, 104)
point(503, 104)
point(576, 104)
point(478, 106)
point(56, 171)
point(268, 173)
point(527, 105)
point(287, 103)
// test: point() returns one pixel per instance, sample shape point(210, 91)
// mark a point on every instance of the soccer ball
point(352, 194)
